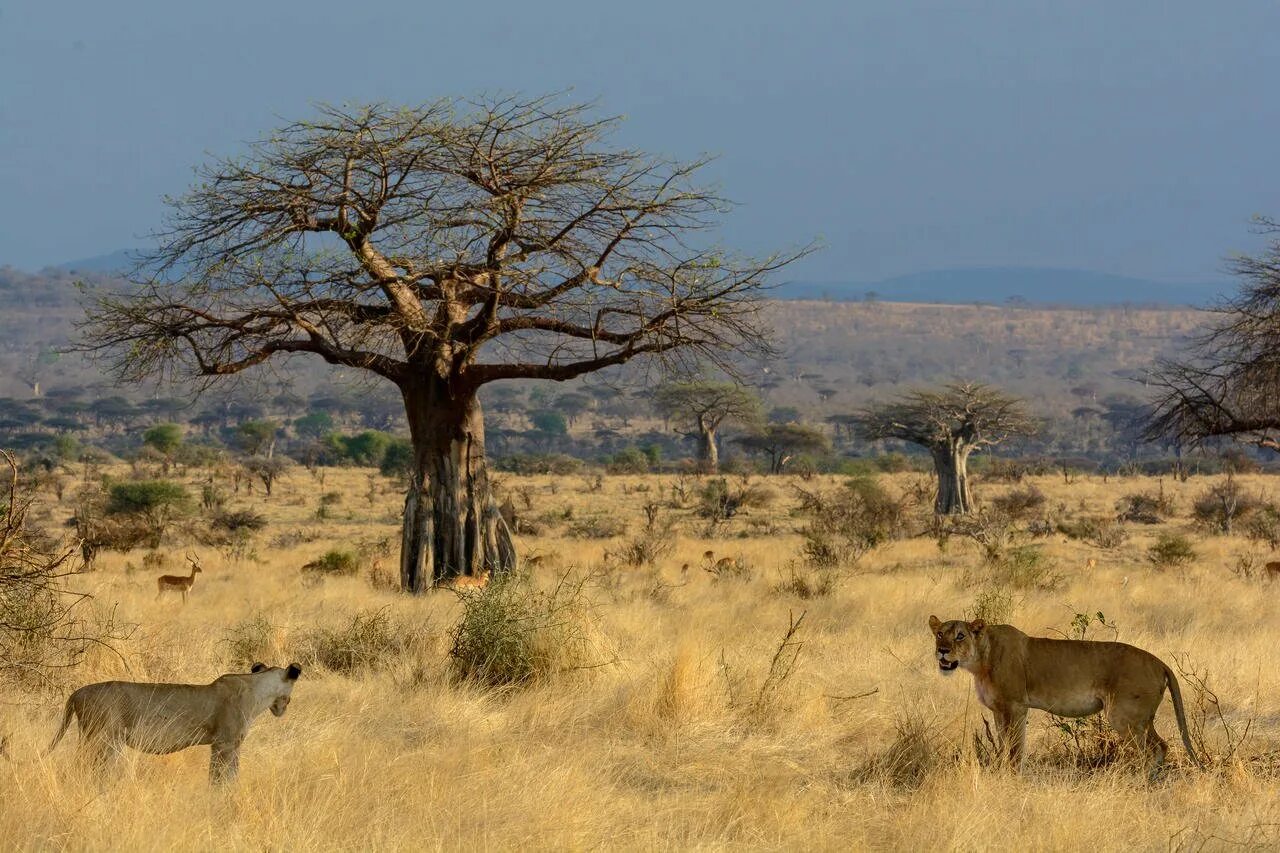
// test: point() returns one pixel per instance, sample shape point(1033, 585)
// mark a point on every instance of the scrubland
point(683, 716)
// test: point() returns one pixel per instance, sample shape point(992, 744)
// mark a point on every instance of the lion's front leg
point(1011, 721)
point(224, 762)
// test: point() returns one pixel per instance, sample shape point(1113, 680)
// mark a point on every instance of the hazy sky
point(1126, 137)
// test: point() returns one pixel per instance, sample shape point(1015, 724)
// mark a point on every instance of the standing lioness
point(1070, 678)
point(164, 718)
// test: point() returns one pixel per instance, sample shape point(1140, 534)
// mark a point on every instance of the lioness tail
point(66, 721)
point(1176, 693)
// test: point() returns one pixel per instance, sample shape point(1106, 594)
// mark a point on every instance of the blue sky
point(1135, 138)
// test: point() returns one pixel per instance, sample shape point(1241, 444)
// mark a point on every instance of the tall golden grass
point(681, 738)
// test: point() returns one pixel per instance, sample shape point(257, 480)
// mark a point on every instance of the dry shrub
point(1142, 508)
point(993, 604)
point(597, 527)
point(1020, 504)
point(846, 524)
point(913, 754)
point(1098, 531)
point(44, 626)
point(653, 543)
point(511, 634)
point(804, 582)
point(1263, 527)
point(254, 639)
point(371, 641)
point(1219, 736)
point(1218, 508)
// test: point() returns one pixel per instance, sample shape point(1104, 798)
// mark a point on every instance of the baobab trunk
point(452, 525)
point(951, 462)
point(708, 453)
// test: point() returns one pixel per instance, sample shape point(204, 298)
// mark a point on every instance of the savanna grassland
point(666, 708)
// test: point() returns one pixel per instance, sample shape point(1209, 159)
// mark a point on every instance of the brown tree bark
point(452, 525)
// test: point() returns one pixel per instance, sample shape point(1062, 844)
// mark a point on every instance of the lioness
point(164, 718)
point(1070, 678)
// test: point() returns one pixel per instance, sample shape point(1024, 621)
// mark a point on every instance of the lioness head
point(956, 642)
point(280, 681)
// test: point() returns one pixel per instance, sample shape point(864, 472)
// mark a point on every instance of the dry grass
point(668, 744)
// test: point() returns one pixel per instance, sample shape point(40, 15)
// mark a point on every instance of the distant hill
point(960, 285)
point(114, 263)
point(1004, 284)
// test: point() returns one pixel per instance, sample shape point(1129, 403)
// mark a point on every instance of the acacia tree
point(441, 248)
point(783, 442)
point(951, 423)
point(1228, 383)
point(705, 406)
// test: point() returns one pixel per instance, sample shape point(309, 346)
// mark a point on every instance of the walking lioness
point(1070, 678)
point(164, 718)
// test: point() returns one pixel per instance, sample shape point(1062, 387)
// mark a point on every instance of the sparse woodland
point(689, 661)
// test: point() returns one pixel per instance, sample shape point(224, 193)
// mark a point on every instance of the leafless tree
point(441, 248)
point(952, 423)
point(705, 406)
point(41, 629)
point(1228, 382)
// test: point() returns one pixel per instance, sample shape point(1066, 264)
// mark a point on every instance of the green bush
point(335, 562)
point(1170, 550)
point(145, 496)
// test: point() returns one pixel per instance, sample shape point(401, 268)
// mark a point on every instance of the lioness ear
point(293, 672)
point(934, 624)
point(258, 667)
point(977, 625)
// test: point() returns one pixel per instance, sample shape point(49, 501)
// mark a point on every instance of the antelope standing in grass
point(178, 583)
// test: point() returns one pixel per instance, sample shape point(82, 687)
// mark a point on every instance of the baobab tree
point(441, 248)
point(704, 406)
point(1228, 382)
point(951, 423)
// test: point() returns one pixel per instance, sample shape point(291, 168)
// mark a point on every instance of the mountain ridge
point(947, 285)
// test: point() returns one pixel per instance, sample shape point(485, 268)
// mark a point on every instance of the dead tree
point(1227, 383)
point(951, 423)
point(440, 248)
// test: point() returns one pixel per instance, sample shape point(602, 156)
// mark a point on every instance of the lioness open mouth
point(948, 665)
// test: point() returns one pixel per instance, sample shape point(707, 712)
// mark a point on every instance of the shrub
point(1098, 531)
point(1263, 526)
point(397, 460)
point(250, 640)
point(335, 562)
point(806, 583)
point(1219, 507)
point(1171, 549)
point(152, 503)
point(653, 543)
point(240, 520)
point(597, 527)
point(848, 523)
point(1141, 508)
point(993, 604)
point(370, 641)
point(1025, 567)
point(511, 634)
point(1020, 504)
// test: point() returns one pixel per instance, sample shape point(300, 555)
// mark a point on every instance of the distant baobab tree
point(442, 248)
point(951, 422)
point(1228, 382)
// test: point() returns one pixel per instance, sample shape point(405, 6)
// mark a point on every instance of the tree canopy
point(1228, 382)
